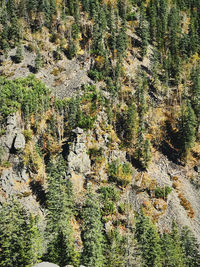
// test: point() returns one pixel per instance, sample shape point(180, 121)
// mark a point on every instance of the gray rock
point(45, 264)
point(24, 175)
point(12, 128)
point(78, 131)
point(7, 182)
point(20, 142)
point(78, 159)
point(79, 163)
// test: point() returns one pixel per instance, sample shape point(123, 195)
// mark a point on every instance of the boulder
point(45, 264)
point(20, 142)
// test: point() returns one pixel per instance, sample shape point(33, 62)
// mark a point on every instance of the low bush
point(121, 173)
point(187, 206)
point(109, 196)
point(28, 134)
point(163, 192)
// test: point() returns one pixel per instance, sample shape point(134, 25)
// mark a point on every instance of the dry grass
point(187, 206)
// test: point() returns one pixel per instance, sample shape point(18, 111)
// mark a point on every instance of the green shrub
point(121, 173)
point(2, 131)
point(96, 153)
point(110, 193)
point(28, 134)
point(95, 75)
point(108, 208)
point(122, 208)
point(163, 192)
point(109, 196)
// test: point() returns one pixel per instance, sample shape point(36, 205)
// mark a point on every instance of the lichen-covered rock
point(13, 127)
point(20, 142)
point(45, 264)
point(78, 159)
point(7, 182)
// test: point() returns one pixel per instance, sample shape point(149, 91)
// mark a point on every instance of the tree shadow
point(39, 192)
point(31, 69)
point(135, 163)
point(171, 153)
point(14, 59)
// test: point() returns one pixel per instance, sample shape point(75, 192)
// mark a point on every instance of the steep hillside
point(100, 133)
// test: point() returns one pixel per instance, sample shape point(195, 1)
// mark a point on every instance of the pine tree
point(115, 250)
point(143, 31)
point(15, 32)
point(36, 240)
point(190, 247)
point(131, 123)
point(162, 20)
point(195, 92)
point(19, 54)
point(187, 128)
point(38, 61)
point(61, 247)
point(20, 239)
point(149, 241)
point(146, 158)
point(121, 42)
point(152, 16)
point(172, 250)
point(92, 234)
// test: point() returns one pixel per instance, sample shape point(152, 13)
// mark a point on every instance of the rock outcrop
point(78, 159)
point(19, 143)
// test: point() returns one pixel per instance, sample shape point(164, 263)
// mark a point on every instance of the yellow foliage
point(148, 182)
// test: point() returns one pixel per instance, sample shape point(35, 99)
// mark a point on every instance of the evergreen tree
point(149, 241)
point(190, 247)
point(115, 250)
point(19, 54)
point(195, 92)
point(38, 61)
point(172, 250)
point(71, 50)
point(143, 31)
point(131, 123)
point(187, 128)
point(162, 20)
point(121, 42)
point(20, 239)
point(92, 234)
point(146, 154)
point(15, 32)
point(152, 16)
point(61, 247)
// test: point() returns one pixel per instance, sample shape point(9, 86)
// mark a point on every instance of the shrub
point(96, 153)
point(187, 206)
point(95, 75)
point(122, 208)
point(163, 192)
point(109, 196)
point(28, 134)
point(109, 192)
point(121, 173)
point(108, 208)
